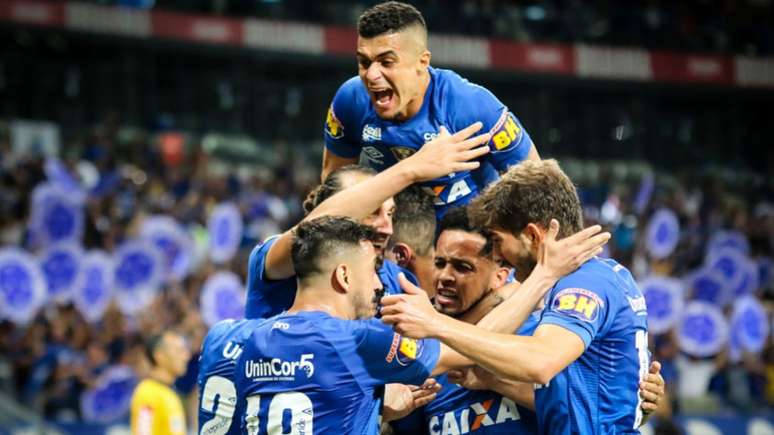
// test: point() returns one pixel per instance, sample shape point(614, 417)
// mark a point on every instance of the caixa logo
point(277, 368)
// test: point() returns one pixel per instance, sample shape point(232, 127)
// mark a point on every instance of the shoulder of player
point(456, 89)
point(350, 98)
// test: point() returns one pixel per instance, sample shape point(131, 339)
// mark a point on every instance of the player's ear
point(340, 278)
point(403, 254)
point(424, 59)
point(534, 235)
point(500, 276)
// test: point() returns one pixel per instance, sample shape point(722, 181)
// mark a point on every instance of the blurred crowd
point(50, 362)
point(729, 26)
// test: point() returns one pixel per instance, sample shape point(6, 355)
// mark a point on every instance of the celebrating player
point(412, 245)
point(589, 351)
point(317, 370)
point(353, 191)
point(469, 275)
point(399, 102)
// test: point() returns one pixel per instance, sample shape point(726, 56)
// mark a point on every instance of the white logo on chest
point(371, 133)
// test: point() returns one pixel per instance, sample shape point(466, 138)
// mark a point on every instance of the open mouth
point(383, 97)
point(446, 296)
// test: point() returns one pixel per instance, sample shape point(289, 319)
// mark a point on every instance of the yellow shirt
point(156, 410)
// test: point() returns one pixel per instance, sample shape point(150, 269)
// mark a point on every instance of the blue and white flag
point(111, 396)
point(58, 175)
point(139, 272)
point(662, 234)
point(222, 297)
point(730, 263)
point(703, 331)
point(708, 285)
point(225, 227)
point(56, 216)
point(173, 240)
point(664, 298)
point(94, 291)
point(22, 286)
point(750, 281)
point(750, 322)
point(729, 239)
point(61, 265)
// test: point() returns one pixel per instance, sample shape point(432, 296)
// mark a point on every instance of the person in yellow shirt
point(156, 408)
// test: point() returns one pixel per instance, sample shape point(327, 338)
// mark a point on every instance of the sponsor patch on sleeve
point(506, 133)
point(409, 350)
point(333, 127)
point(579, 303)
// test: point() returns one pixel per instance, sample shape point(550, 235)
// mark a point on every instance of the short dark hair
point(457, 219)
point(320, 237)
point(414, 220)
point(151, 344)
point(332, 185)
point(534, 191)
point(388, 17)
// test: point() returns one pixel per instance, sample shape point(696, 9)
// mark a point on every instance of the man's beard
point(365, 307)
point(524, 266)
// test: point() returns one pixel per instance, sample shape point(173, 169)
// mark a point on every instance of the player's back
point(598, 393)
point(217, 390)
point(318, 374)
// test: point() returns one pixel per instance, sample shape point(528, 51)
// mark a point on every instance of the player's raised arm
point(441, 156)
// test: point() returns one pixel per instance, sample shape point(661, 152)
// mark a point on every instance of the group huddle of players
point(447, 287)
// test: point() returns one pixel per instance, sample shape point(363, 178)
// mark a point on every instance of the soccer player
point(355, 192)
point(589, 352)
point(412, 244)
point(217, 392)
point(466, 271)
point(398, 103)
point(317, 370)
point(156, 409)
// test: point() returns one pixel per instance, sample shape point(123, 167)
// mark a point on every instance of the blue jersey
point(266, 298)
point(599, 392)
point(457, 410)
point(352, 126)
point(217, 392)
point(312, 373)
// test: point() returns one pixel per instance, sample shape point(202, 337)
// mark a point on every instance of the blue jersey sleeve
point(575, 304)
point(341, 121)
point(389, 357)
point(266, 298)
point(388, 275)
point(510, 143)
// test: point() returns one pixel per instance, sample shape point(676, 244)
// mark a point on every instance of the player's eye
point(463, 267)
point(364, 63)
point(439, 263)
point(387, 63)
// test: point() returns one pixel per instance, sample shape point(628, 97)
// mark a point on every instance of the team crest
point(401, 153)
point(333, 127)
point(408, 350)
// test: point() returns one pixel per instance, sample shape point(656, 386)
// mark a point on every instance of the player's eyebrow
point(380, 55)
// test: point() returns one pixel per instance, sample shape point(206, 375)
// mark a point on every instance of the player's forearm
point(363, 198)
point(522, 393)
point(519, 358)
point(511, 314)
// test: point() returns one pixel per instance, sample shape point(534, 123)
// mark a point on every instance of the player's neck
point(415, 105)
point(158, 374)
point(325, 300)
